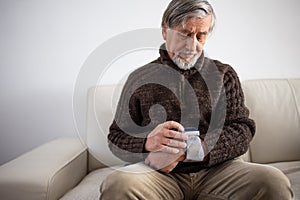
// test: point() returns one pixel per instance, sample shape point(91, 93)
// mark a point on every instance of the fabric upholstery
point(274, 105)
point(89, 187)
point(102, 101)
point(46, 172)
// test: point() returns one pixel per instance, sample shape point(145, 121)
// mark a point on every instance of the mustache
point(188, 52)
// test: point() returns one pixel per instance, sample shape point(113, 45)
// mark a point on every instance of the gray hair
point(178, 11)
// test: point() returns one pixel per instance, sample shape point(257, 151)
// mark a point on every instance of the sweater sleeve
point(126, 138)
point(232, 140)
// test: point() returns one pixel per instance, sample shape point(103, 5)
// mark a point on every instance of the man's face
point(185, 42)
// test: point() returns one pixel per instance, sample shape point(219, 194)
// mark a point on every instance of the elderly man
point(181, 123)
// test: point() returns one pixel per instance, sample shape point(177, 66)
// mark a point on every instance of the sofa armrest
point(46, 172)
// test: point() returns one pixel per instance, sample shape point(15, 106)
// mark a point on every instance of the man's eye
point(201, 35)
point(183, 36)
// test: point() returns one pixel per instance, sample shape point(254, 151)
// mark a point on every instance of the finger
point(174, 143)
point(173, 125)
point(175, 134)
point(168, 149)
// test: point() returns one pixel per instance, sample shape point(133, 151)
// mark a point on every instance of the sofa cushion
point(89, 187)
point(274, 105)
point(292, 171)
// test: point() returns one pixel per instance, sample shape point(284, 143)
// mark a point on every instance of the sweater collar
point(165, 59)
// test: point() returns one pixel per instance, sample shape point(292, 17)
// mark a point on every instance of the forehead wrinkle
point(194, 25)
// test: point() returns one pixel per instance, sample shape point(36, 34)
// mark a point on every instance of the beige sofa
point(69, 168)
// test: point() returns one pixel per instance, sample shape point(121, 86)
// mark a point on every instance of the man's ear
point(164, 31)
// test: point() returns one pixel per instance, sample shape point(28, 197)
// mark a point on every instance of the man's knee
point(270, 183)
point(118, 182)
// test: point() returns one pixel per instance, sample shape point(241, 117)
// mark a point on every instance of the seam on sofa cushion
point(294, 97)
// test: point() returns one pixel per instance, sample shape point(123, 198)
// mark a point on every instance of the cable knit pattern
point(208, 96)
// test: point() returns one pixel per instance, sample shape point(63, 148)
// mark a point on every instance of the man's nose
point(191, 43)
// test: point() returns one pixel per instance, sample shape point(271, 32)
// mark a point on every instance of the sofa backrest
point(102, 102)
point(275, 106)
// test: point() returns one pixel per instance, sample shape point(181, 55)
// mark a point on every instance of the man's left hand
point(164, 162)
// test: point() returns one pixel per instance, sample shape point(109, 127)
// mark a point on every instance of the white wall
point(259, 38)
point(44, 43)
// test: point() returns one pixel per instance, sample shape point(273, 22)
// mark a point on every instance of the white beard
point(183, 64)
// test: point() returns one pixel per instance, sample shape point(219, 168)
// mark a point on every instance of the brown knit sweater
point(208, 96)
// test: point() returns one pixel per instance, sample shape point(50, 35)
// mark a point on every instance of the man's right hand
point(164, 138)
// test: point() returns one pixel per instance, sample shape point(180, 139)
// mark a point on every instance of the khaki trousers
point(233, 179)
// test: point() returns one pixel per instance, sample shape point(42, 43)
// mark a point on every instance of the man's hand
point(164, 162)
point(164, 138)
